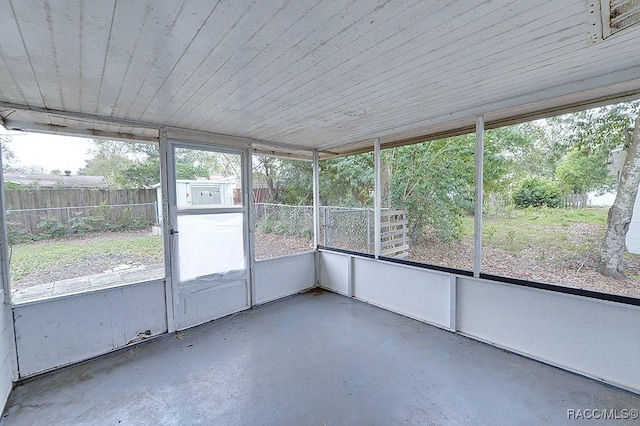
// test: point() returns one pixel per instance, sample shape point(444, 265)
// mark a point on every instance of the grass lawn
point(546, 230)
point(40, 256)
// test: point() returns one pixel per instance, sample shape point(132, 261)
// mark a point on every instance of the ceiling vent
point(608, 17)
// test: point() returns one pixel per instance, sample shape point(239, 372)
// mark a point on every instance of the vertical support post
point(350, 277)
point(68, 221)
point(453, 303)
point(377, 203)
point(248, 193)
point(316, 199)
point(4, 276)
point(477, 231)
point(316, 213)
point(166, 176)
point(4, 242)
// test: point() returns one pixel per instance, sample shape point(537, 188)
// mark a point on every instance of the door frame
point(171, 212)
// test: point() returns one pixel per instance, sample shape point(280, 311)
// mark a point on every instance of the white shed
point(217, 190)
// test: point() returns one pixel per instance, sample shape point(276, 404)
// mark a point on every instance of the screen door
point(208, 230)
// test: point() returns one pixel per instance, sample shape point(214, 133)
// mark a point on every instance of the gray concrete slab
point(316, 359)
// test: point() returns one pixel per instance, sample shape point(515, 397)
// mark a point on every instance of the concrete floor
point(313, 359)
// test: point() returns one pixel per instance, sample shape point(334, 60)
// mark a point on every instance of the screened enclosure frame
point(476, 272)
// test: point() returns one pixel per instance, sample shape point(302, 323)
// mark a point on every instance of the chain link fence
point(55, 222)
point(341, 227)
point(347, 228)
point(350, 228)
point(284, 219)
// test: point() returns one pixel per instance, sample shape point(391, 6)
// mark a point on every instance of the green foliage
point(581, 172)
point(190, 171)
point(102, 218)
point(138, 174)
point(288, 181)
point(51, 228)
point(537, 192)
point(347, 181)
point(105, 218)
point(433, 181)
point(14, 185)
point(108, 158)
point(288, 221)
point(8, 156)
point(295, 183)
point(127, 165)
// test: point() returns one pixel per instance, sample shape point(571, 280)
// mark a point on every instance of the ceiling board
point(307, 73)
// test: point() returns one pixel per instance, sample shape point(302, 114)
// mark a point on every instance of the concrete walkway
point(312, 359)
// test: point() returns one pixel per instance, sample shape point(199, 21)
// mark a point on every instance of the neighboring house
point(56, 181)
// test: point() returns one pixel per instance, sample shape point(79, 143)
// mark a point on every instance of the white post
point(4, 275)
point(4, 249)
point(316, 199)
point(477, 243)
point(166, 175)
point(316, 214)
point(378, 198)
point(248, 172)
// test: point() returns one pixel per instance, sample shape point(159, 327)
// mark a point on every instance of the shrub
point(537, 192)
point(51, 228)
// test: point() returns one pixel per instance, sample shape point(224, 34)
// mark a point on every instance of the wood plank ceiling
point(310, 73)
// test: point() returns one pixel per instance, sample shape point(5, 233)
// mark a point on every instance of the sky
point(50, 151)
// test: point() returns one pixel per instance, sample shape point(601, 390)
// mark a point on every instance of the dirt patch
point(543, 264)
point(274, 245)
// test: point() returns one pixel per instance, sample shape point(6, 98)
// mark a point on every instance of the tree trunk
point(613, 246)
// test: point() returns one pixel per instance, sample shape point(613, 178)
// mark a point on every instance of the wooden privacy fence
point(394, 237)
point(24, 199)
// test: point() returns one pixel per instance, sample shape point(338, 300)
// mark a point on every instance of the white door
point(209, 246)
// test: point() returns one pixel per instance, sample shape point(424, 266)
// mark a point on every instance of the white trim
point(285, 256)
point(453, 303)
point(167, 173)
point(377, 202)
point(316, 213)
point(5, 276)
point(477, 228)
point(203, 209)
point(4, 240)
point(250, 247)
point(81, 293)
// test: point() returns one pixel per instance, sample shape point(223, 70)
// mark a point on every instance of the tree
point(268, 169)
point(108, 158)
point(8, 156)
point(347, 181)
point(582, 172)
point(434, 182)
point(620, 214)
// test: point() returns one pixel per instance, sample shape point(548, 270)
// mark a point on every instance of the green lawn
point(41, 256)
point(559, 230)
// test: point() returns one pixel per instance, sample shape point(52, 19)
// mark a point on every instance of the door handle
point(172, 231)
